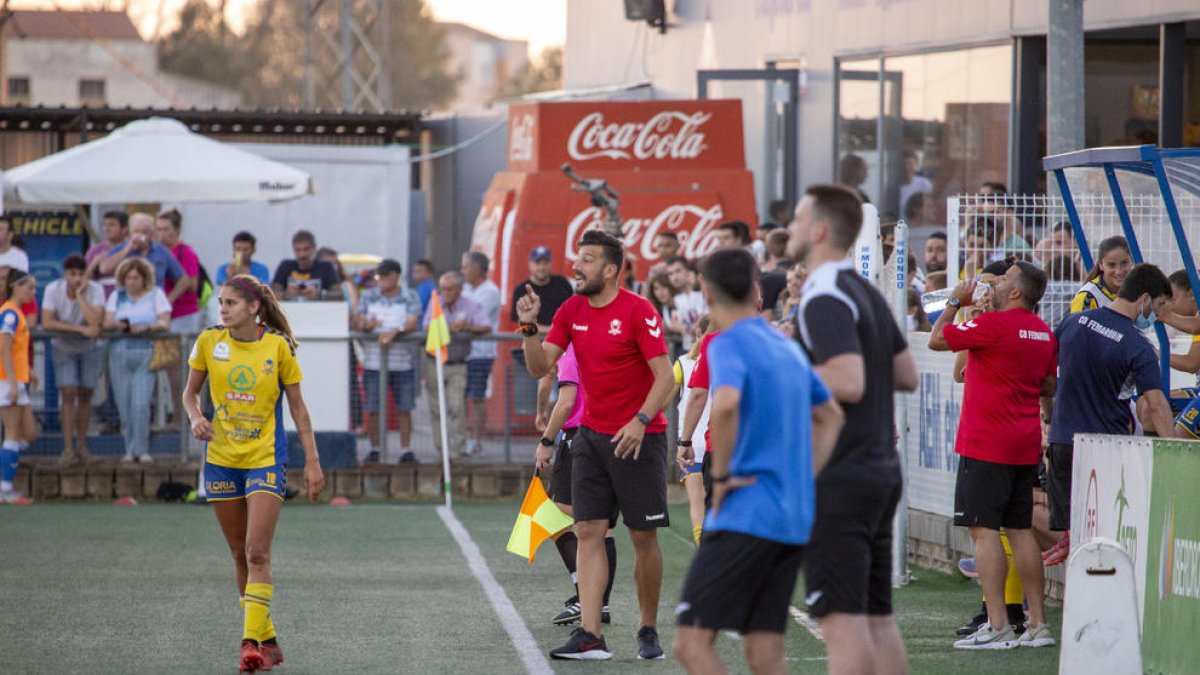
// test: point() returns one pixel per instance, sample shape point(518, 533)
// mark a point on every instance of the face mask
point(1143, 322)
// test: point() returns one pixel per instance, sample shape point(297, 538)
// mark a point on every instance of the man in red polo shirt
point(619, 454)
point(1010, 374)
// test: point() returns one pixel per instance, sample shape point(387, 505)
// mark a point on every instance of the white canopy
point(154, 160)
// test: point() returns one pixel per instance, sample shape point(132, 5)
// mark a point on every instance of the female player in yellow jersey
point(250, 362)
point(19, 430)
point(1106, 276)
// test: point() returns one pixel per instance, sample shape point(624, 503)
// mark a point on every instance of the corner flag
point(438, 333)
point(538, 521)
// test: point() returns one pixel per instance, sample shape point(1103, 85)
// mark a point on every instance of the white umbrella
point(154, 160)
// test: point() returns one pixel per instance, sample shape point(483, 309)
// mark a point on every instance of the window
point(18, 91)
point(857, 127)
point(91, 93)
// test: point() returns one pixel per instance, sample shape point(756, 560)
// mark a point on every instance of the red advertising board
point(626, 135)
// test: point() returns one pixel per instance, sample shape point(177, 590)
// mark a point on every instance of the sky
point(542, 22)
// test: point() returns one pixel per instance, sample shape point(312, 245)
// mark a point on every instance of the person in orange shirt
point(14, 382)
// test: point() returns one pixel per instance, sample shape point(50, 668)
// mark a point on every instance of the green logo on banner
point(242, 378)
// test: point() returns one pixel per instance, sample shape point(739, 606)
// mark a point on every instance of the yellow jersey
point(12, 321)
point(246, 381)
point(1092, 295)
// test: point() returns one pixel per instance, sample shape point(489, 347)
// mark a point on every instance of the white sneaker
point(1036, 636)
point(14, 498)
point(145, 458)
point(986, 638)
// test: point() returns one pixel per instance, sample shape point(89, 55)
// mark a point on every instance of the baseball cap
point(388, 266)
point(540, 253)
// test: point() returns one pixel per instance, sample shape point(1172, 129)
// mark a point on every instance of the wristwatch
point(546, 442)
point(644, 418)
point(953, 302)
point(684, 443)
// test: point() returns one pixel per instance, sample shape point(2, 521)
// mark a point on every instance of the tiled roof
point(66, 25)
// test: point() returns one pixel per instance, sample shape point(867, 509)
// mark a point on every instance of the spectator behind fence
point(349, 291)
point(777, 244)
point(1060, 289)
point(483, 353)
point(74, 304)
point(389, 310)
point(733, 234)
point(666, 246)
point(935, 281)
point(465, 318)
point(186, 318)
point(423, 282)
point(10, 254)
point(935, 254)
point(15, 377)
point(852, 173)
point(244, 248)
point(116, 232)
point(553, 289)
point(689, 301)
point(142, 244)
point(304, 277)
point(138, 308)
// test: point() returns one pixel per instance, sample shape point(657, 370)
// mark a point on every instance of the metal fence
point(507, 433)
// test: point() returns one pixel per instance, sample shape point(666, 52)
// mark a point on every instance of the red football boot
point(272, 655)
point(252, 658)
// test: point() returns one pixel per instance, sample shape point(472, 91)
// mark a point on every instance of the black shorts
point(848, 560)
point(1058, 485)
point(993, 495)
point(560, 473)
point(739, 582)
point(706, 477)
point(602, 484)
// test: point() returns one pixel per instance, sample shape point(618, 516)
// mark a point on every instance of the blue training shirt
point(1097, 351)
point(778, 389)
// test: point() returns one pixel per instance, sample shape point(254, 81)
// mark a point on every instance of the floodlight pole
point(1064, 77)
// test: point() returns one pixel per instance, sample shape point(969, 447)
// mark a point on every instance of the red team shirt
point(699, 378)
point(1011, 354)
point(612, 345)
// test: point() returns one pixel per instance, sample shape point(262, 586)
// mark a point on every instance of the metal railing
point(508, 433)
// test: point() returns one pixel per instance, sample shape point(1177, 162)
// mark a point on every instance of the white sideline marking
point(806, 621)
point(527, 648)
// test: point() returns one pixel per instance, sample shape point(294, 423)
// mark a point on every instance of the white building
point(94, 59)
point(960, 84)
point(488, 65)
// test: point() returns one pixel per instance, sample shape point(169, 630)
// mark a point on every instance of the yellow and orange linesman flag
point(539, 520)
point(438, 334)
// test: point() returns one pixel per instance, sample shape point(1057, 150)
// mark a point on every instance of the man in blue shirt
point(141, 244)
point(244, 247)
point(763, 470)
point(1098, 350)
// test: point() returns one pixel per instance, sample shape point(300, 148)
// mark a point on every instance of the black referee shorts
point(739, 582)
point(603, 484)
point(993, 495)
point(848, 560)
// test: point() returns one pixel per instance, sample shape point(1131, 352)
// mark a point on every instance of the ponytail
point(269, 312)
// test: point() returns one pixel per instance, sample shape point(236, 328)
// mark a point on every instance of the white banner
point(1110, 496)
point(932, 425)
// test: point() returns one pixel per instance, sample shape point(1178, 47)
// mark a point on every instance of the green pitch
point(365, 589)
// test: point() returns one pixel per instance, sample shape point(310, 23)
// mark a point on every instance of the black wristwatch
point(683, 443)
point(546, 442)
point(644, 418)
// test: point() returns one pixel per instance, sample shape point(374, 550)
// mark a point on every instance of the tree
point(546, 71)
point(267, 62)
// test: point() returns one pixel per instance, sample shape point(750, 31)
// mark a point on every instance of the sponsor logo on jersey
point(242, 378)
point(269, 367)
point(582, 329)
point(614, 327)
point(221, 351)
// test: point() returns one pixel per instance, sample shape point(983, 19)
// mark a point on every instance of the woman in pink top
point(567, 416)
point(183, 294)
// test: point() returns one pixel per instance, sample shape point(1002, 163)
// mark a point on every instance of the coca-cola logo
point(520, 139)
point(667, 135)
point(694, 225)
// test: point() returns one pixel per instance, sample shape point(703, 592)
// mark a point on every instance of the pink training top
point(188, 303)
point(568, 373)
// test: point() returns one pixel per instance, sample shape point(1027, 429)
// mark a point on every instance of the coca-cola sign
point(640, 135)
point(669, 134)
point(694, 224)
